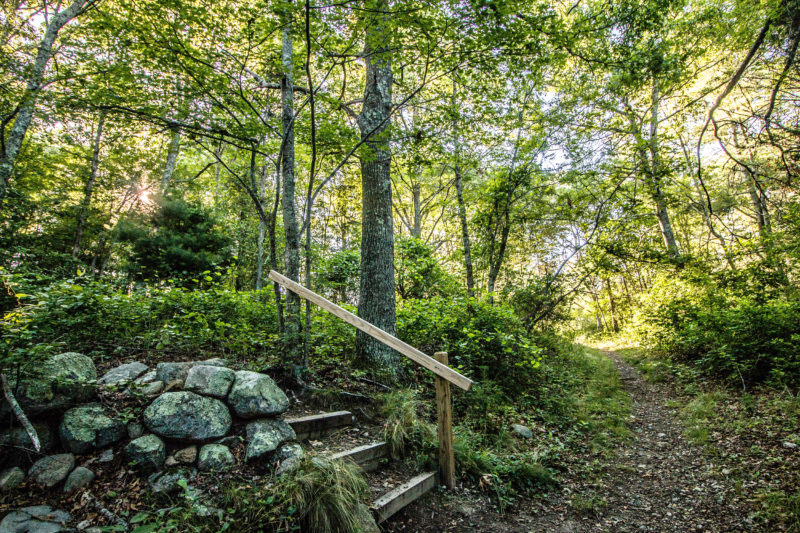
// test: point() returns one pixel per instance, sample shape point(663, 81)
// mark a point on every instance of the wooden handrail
point(440, 369)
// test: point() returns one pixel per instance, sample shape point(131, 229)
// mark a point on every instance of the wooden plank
point(412, 353)
point(367, 456)
point(444, 408)
point(399, 497)
point(312, 426)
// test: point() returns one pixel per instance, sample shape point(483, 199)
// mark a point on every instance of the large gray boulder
point(38, 519)
point(90, 427)
point(53, 384)
point(146, 453)
point(264, 436)
point(255, 395)
point(169, 372)
point(147, 377)
point(123, 373)
point(215, 457)
point(78, 479)
point(209, 380)
point(188, 416)
point(51, 470)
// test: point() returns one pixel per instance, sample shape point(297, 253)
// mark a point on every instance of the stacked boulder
point(193, 409)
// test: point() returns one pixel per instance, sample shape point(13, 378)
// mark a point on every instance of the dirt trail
point(658, 482)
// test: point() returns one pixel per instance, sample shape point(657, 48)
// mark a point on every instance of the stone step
point(319, 425)
point(368, 456)
point(402, 495)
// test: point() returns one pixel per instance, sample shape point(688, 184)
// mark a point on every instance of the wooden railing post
point(444, 407)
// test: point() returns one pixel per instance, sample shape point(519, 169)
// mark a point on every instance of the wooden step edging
point(399, 497)
point(313, 426)
point(367, 456)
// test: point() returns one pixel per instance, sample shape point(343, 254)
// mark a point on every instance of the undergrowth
point(584, 409)
point(321, 496)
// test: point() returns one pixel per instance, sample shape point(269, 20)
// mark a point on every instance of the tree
point(11, 144)
point(376, 302)
point(176, 241)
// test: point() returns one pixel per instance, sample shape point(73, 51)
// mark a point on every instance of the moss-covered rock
point(54, 384)
point(215, 457)
point(89, 427)
point(187, 416)
point(146, 453)
point(255, 395)
point(264, 436)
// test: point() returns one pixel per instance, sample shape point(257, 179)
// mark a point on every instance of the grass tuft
point(325, 493)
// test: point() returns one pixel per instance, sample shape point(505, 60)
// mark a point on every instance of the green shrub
point(98, 319)
point(419, 274)
point(739, 336)
point(485, 342)
point(176, 241)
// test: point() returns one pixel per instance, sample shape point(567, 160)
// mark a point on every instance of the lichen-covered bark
point(377, 299)
point(172, 159)
point(462, 208)
point(292, 338)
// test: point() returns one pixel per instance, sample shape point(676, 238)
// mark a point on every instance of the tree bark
point(89, 188)
point(377, 288)
point(612, 306)
point(462, 216)
point(462, 208)
point(273, 249)
point(13, 143)
point(662, 212)
point(416, 228)
point(311, 179)
point(291, 337)
point(172, 160)
point(262, 229)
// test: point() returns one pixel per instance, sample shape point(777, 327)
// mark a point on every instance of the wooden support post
point(444, 407)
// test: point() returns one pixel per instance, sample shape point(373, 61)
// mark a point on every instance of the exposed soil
point(656, 482)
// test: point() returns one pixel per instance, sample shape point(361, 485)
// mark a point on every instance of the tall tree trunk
point(88, 189)
point(612, 306)
point(291, 337)
point(273, 249)
point(462, 208)
point(172, 160)
point(262, 229)
point(377, 299)
point(496, 262)
point(416, 228)
point(24, 111)
point(311, 178)
point(462, 216)
point(660, 199)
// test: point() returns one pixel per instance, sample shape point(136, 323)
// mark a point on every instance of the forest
point(587, 209)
